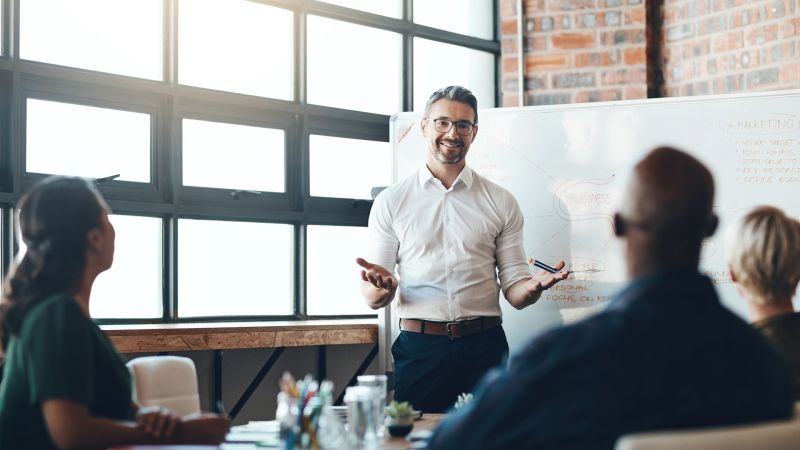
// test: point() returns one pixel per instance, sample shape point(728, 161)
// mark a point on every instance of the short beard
point(439, 155)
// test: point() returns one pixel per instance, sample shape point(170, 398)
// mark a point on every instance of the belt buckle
point(449, 330)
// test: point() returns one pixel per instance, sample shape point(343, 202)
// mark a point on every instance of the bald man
point(664, 354)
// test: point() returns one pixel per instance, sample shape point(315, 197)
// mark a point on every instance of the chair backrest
point(782, 435)
point(168, 381)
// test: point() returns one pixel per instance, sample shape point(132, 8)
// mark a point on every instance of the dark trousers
point(431, 371)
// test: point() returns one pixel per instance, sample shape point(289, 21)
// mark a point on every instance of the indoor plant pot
point(399, 418)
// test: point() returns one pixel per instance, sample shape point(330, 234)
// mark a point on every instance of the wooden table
point(181, 337)
point(219, 336)
point(427, 422)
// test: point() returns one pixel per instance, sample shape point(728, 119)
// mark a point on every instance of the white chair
point(781, 435)
point(167, 381)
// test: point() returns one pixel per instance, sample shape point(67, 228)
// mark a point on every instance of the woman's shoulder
point(55, 303)
point(60, 308)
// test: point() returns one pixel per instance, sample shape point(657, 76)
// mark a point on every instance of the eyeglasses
point(444, 125)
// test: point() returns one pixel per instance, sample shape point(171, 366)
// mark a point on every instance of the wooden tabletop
point(176, 337)
point(427, 422)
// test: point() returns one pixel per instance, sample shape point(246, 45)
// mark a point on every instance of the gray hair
point(456, 93)
point(764, 253)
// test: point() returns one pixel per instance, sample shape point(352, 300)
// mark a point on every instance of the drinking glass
point(378, 386)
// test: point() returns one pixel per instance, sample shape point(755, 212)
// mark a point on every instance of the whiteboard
point(567, 166)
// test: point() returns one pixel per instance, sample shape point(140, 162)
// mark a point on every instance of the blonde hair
point(764, 253)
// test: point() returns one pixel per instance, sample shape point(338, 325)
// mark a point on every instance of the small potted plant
point(399, 418)
point(463, 400)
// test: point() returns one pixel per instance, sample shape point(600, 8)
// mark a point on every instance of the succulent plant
point(399, 410)
point(462, 400)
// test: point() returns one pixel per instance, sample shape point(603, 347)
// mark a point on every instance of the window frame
point(224, 197)
point(169, 103)
point(80, 95)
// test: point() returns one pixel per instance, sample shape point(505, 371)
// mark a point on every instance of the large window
point(132, 286)
point(348, 168)
point(331, 252)
point(241, 46)
point(358, 78)
point(465, 67)
point(72, 139)
point(460, 16)
point(233, 156)
point(119, 36)
point(238, 141)
point(234, 268)
point(390, 8)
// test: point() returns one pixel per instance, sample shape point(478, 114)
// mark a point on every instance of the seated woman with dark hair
point(64, 384)
point(764, 261)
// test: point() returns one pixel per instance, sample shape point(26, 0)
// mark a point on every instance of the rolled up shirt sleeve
point(512, 265)
point(383, 242)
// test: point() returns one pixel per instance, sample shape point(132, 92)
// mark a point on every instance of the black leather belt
point(451, 329)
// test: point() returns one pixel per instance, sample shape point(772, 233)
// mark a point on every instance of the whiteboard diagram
point(567, 165)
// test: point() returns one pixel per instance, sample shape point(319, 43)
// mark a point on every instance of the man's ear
point(713, 222)
point(619, 225)
point(734, 278)
point(474, 133)
point(423, 126)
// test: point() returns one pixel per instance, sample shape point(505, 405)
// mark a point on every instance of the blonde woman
point(764, 261)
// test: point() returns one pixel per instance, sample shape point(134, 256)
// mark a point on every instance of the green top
point(58, 354)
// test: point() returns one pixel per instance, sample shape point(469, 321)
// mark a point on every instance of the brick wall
point(726, 46)
point(597, 50)
point(575, 51)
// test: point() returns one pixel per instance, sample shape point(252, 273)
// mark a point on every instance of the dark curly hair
point(54, 218)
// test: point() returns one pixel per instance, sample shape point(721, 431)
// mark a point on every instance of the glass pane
point(67, 139)
point(233, 156)
point(353, 67)
point(470, 17)
point(132, 288)
point(390, 8)
point(334, 286)
point(235, 268)
point(120, 36)
point(470, 68)
point(236, 46)
point(2, 244)
point(333, 173)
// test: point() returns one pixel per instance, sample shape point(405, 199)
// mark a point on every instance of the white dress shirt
point(448, 245)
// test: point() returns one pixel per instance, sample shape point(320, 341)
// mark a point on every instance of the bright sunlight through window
point(120, 36)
